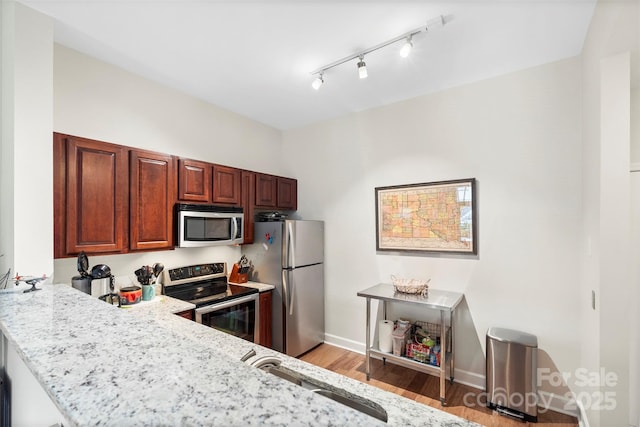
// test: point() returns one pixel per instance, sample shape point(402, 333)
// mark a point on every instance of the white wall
point(26, 194)
point(613, 30)
point(519, 136)
point(95, 100)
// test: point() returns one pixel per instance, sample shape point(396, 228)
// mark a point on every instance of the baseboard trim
point(546, 400)
point(345, 343)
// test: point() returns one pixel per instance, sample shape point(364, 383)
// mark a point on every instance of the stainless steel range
point(224, 306)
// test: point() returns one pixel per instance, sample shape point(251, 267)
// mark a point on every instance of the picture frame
point(429, 217)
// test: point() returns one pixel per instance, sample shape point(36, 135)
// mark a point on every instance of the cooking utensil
point(143, 274)
point(157, 269)
point(130, 295)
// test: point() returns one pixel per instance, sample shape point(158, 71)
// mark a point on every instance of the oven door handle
point(215, 307)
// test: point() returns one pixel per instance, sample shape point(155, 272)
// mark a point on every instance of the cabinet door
point(266, 190)
point(188, 314)
point(152, 199)
point(59, 196)
point(266, 301)
point(226, 185)
point(287, 193)
point(96, 196)
point(248, 193)
point(194, 181)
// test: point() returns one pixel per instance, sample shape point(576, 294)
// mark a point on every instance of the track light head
point(362, 68)
point(406, 47)
point(318, 82)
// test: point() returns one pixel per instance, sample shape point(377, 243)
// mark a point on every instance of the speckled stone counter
point(102, 365)
point(261, 287)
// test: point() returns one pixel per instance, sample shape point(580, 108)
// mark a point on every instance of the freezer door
point(303, 243)
point(303, 308)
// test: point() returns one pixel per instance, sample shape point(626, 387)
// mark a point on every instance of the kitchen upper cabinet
point(287, 193)
point(227, 185)
point(266, 303)
point(266, 188)
point(194, 181)
point(248, 193)
point(276, 192)
point(91, 197)
point(152, 197)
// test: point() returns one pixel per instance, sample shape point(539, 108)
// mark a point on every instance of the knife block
point(236, 277)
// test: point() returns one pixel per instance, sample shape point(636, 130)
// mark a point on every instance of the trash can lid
point(513, 336)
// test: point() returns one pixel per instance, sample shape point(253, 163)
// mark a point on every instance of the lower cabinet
point(266, 299)
point(187, 314)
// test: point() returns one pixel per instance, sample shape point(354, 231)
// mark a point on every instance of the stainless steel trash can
point(512, 363)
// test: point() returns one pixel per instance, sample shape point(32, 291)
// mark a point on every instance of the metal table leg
point(453, 343)
point(368, 354)
point(443, 357)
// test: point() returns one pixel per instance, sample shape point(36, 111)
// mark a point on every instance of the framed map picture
point(432, 217)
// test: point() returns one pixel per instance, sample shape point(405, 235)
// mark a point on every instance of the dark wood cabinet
point(194, 181)
point(276, 192)
point(111, 199)
point(266, 188)
point(187, 314)
point(92, 189)
point(287, 197)
point(248, 192)
point(152, 196)
point(226, 185)
point(266, 302)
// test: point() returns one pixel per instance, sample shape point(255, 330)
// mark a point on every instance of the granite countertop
point(261, 287)
point(104, 365)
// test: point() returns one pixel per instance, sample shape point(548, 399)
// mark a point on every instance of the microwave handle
point(234, 229)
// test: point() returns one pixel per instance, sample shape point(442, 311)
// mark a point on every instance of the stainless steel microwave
point(208, 225)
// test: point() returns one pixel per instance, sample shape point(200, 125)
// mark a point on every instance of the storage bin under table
point(443, 301)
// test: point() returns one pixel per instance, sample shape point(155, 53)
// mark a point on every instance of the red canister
point(130, 295)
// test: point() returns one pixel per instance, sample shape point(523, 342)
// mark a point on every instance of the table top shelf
point(436, 299)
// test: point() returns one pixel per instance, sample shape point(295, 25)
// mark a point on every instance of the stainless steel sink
point(341, 396)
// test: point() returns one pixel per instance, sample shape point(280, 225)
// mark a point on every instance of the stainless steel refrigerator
point(289, 255)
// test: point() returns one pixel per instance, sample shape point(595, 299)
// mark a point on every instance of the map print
point(437, 217)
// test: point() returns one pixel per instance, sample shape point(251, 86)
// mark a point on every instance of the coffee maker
point(100, 283)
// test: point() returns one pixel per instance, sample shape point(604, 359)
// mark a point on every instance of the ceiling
point(255, 57)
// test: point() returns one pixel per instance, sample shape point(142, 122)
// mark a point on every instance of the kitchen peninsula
point(146, 366)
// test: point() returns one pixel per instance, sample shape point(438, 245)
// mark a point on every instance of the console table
point(443, 301)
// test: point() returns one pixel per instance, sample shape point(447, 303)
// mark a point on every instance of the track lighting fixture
point(318, 82)
point(362, 68)
point(432, 24)
point(406, 47)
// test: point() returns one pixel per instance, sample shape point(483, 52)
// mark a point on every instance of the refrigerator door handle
point(288, 292)
point(291, 246)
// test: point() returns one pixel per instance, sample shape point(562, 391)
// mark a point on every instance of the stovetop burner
point(202, 284)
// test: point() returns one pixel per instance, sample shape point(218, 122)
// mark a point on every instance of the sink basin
point(338, 395)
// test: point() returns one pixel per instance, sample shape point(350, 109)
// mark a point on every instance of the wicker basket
point(410, 286)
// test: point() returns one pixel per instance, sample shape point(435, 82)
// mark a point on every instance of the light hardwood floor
point(424, 388)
